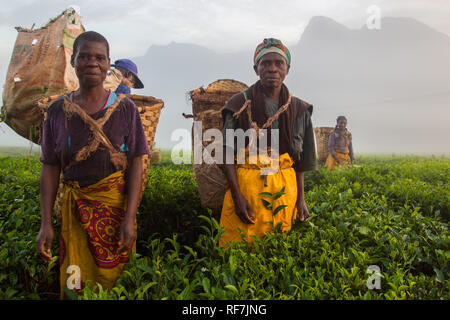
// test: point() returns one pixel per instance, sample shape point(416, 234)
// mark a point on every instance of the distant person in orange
point(340, 149)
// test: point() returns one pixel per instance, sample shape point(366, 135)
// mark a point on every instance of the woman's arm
point(49, 182)
point(242, 207)
point(350, 149)
point(331, 145)
point(134, 183)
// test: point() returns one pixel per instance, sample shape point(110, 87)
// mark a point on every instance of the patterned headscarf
point(271, 45)
point(341, 118)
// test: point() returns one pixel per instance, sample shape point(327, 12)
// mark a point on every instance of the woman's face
point(91, 63)
point(272, 69)
point(127, 74)
point(342, 124)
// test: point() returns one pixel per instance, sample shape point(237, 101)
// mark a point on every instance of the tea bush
point(391, 212)
point(22, 274)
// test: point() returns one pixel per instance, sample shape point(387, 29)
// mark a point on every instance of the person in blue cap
point(130, 76)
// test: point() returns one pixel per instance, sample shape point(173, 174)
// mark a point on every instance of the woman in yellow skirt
point(96, 140)
point(267, 105)
point(340, 149)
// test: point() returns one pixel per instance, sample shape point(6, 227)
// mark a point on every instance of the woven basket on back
point(149, 109)
point(322, 134)
point(207, 105)
point(215, 95)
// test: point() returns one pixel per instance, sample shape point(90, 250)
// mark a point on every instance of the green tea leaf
point(206, 285)
point(232, 288)
point(279, 194)
point(439, 275)
point(364, 230)
point(279, 208)
point(268, 205)
point(70, 293)
point(266, 194)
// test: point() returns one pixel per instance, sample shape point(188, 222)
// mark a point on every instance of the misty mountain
point(403, 56)
point(393, 84)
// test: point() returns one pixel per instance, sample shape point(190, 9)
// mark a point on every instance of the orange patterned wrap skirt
point(90, 229)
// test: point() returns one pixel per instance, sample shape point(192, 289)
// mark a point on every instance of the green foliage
point(22, 274)
point(19, 151)
point(170, 204)
point(273, 196)
point(390, 212)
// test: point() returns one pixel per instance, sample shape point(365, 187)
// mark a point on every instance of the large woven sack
point(206, 106)
point(322, 134)
point(39, 66)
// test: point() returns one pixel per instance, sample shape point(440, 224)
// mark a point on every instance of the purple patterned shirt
point(63, 138)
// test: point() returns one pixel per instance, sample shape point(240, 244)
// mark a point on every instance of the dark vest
point(287, 119)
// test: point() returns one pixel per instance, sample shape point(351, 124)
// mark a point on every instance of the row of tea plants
point(391, 213)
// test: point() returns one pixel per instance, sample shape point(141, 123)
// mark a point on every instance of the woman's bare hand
point(127, 236)
point(243, 210)
point(44, 242)
point(302, 211)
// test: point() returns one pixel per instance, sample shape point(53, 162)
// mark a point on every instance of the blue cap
point(130, 66)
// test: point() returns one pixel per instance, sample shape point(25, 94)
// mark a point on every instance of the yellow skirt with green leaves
point(331, 163)
point(252, 185)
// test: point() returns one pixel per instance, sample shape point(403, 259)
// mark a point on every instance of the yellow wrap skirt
point(343, 157)
point(90, 228)
point(251, 184)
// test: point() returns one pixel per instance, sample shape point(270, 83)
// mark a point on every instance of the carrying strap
point(249, 113)
point(253, 124)
point(96, 126)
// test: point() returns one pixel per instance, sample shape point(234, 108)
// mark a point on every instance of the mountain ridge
point(332, 67)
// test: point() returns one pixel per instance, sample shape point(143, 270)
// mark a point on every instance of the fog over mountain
point(393, 84)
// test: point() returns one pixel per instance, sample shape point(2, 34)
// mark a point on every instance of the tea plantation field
point(391, 213)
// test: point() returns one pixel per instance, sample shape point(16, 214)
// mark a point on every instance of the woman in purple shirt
point(97, 141)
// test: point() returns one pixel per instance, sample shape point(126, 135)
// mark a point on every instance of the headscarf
point(271, 45)
point(337, 120)
point(341, 118)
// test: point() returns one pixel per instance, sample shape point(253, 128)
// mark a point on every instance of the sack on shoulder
point(39, 67)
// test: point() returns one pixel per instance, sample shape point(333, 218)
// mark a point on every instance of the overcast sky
point(132, 26)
